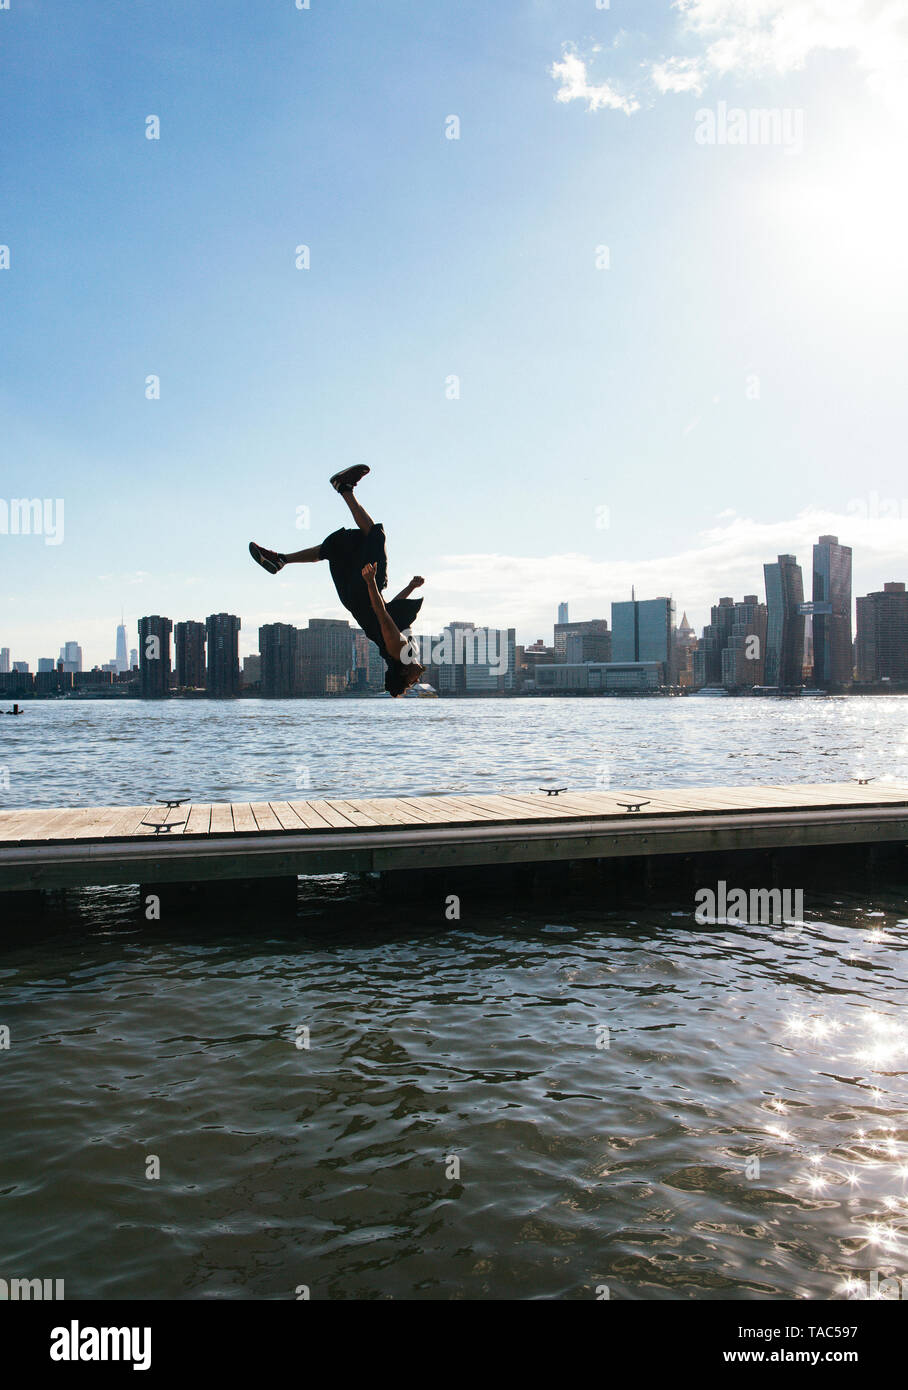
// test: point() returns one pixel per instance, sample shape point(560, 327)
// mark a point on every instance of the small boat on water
point(712, 690)
point(420, 691)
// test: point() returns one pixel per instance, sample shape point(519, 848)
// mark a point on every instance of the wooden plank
point(330, 811)
point(243, 819)
point(30, 824)
point(85, 822)
point(468, 809)
point(128, 823)
point(265, 818)
point(199, 819)
point(221, 818)
point(386, 811)
point(289, 820)
point(307, 816)
point(355, 812)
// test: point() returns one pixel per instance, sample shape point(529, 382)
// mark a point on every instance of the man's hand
point(416, 582)
point(369, 573)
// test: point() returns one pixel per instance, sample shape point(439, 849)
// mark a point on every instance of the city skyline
point(557, 611)
point(786, 641)
point(483, 338)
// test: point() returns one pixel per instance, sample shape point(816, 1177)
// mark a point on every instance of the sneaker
point(268, 559)
point(346, 480)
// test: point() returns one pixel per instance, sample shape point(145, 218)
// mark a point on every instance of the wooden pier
point(95, 846)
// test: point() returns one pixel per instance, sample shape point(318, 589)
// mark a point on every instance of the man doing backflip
point(359, 568)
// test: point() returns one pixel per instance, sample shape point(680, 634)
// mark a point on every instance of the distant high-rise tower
point(277, 649)
point(832, 650)
point(154, 663)
point(190, 648)
point(882, 640)
point(4, 661)
point(121, 658)
point(223, 655)
point(562, 613)
point(71, 656)
point(133, 658)
point(784, 623)
point(642, 631)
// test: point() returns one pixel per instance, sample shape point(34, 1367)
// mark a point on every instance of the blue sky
point(731, 386)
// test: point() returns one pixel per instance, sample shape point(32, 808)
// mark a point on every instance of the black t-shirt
point(347, 551)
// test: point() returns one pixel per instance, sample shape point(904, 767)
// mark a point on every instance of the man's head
point(400, 675)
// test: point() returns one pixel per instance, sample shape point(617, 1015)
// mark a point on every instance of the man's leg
point(358, 512)
point(303, 557)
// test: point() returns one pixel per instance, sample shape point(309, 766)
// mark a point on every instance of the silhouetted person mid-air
point(359, 568)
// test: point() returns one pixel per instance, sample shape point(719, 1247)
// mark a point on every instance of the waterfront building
point(154, 663)
point(189, 640)
point(464, 659)
point(251, 674)
point(4, 661)
point(685, 645)
point(882, 634)
point(71, 656)
point(637, 677)
point(784, 623)
point(324, 657)
point(831, 613)
point(594, 627)
point(707, 660)
point(642, 632)
point(744, 657)
point(277, 659)
point(223, 670)
point(121, 658)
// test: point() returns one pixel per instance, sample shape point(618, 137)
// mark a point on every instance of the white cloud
point(728, 558)
point(576, 86)
point(752, 38)
point(679, 75)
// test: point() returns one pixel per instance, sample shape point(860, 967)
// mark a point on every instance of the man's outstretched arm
point(391, 634)
point(415, 583)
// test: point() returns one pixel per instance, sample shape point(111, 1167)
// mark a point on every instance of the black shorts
point(346, 551)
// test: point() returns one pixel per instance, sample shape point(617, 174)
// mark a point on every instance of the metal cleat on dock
point(162, 827)
point(633, 805)
point(553, 791)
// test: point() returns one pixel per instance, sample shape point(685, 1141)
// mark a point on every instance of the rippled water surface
point(542, 1098)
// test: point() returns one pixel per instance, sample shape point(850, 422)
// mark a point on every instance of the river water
point(545, 1099)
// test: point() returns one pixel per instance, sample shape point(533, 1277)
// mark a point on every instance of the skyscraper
point(4, 661)
point(707, 660)
point(562, 613)
point(223, 632)
point(832, 650)
point(744, 656)
point(71, 656)
point(122, 660)
point(882, 637)
point(324, 656)
point(277, 649)
point(594, 627)
point(642, 631)
point(784, 623)
point(189, 638)
point(685, 640)
point(154, 661)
